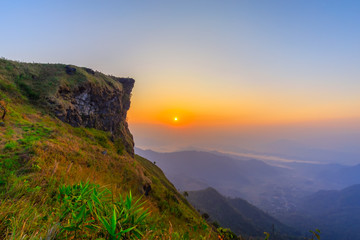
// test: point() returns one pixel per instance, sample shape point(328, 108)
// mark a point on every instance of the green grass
point(45, 162)
point(37, 81)
point(11, 145)
point(89, 211)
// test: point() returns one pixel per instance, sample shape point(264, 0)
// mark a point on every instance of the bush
point(226, 234)
point(87, 210)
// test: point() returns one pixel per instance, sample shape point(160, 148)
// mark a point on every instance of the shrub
point(226, 234)
point(88, 210)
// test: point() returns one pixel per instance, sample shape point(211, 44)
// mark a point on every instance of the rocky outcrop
point(2, 111)
point(79, 96)
point(70, 70)
point(102, 105)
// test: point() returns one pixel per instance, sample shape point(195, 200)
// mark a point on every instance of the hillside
point(232, 176)
point(335, 212)
point(64, 143)
point(238, 215)
point(271, 188)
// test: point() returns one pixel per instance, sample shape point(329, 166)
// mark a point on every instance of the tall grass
point(90, 210)
point(39, 153)
point(82, 211)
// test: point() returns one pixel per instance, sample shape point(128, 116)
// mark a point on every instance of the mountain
point(321, 175)
point(210, 168)
point(335, 212)
point(343, 176)
point(238, 215)
point(67, 163)
point(296, 150)
point(271, 188)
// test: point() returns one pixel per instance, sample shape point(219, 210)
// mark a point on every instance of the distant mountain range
point(275, 189)
point(238, 215)
point(335, 212)
point(302, 195)
point(297, 150)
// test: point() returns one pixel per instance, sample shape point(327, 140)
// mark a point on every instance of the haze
point(277, 77)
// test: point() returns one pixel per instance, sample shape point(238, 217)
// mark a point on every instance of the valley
point(289, 191)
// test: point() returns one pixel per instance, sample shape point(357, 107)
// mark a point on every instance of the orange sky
point(238, 107)
point(219, 66)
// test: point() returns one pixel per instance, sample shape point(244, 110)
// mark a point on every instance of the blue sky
point(214, 63)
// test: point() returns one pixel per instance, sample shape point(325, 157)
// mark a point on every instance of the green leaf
point(105, 223)
point(70, 228)
point(90, 227)
point(127, 230)
point(113, 222)
point(81, 214)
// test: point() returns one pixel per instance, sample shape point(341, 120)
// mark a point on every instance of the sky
point(237, 75)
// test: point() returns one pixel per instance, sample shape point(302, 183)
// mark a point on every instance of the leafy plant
point(315, 234)
point(75, 209)
point(226, 234)
point(87, 209)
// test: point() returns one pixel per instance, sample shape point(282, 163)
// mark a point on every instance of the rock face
point(79, 96)
point(70, 70)
point(2, 111)
point(97, 105)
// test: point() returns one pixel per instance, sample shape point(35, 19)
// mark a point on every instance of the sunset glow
point(191, 119)
point(227, 66)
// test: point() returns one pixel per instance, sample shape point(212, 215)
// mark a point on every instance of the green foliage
point(119, 146)
point(11, 145)
point(227, 234)
point(100, 138)
point(39, 153)
point(315, 234)
point(87, 209)
point(28, 91)
point(15, 154)
point(7, 87)
point(24, 211)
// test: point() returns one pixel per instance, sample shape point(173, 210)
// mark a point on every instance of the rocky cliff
point(40, 155)
point(92, 105)
point(79, 96)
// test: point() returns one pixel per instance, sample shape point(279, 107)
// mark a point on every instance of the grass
point(87, 210)
point(44, 164)
point(37, 81)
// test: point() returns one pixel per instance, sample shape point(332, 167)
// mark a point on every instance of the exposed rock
point(97, 106)
point(70, 70)
point(89, 70)
point(3, 110)
point(80, 99)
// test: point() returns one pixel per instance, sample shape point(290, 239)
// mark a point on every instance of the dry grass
point(39, 153)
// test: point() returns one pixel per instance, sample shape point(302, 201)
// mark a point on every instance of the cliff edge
point(79, 96)
point(65, 126)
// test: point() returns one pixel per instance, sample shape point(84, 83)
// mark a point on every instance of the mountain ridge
point(335, 212)
point(237, 214)
point(53, 137)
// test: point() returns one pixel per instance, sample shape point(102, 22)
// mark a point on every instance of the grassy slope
point(38, 153)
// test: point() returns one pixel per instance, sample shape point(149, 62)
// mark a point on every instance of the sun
point(176, 119)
